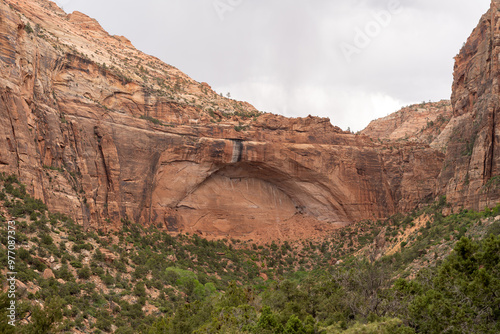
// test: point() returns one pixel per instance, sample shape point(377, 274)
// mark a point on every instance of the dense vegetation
point(143, 280)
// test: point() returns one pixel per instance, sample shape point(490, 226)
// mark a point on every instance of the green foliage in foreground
point(40, 320)
point(459, 296)
point(201, 286)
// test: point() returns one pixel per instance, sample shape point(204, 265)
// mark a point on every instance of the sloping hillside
point(126, 281)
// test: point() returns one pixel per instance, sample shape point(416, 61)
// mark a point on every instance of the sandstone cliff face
point(469, 137)
point(471, 170)
point(422, 123)
point(106, 139)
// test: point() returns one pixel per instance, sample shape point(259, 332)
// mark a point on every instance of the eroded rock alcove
point(238, 197)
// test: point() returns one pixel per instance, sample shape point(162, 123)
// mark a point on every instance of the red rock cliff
point(105, 133)
point(422, 123)
point(471, 171)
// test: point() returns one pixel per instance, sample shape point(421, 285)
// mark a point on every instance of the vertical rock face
point(471, 175)
point(106, 140)
point(274, 182)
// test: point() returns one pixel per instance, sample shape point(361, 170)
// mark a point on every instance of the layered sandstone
point(471, 170)
point(420, 123)
point(106, 140)
point(470, 175)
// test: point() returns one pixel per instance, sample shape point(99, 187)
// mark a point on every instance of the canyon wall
point(422, 123)
point(106, 134)
point(471, 177)
point(468, 134)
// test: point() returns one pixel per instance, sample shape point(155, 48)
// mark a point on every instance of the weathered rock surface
point(106, 139)
point(470, 176)
point(471, 172)
point(420, 123)
point(48, 274)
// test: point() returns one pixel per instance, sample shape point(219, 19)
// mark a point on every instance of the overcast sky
point(350, 60)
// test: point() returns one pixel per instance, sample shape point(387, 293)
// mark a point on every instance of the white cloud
point(346, 108)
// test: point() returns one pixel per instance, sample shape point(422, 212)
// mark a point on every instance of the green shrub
point(104, 321)
point(76, 264)
point(46, 239)
point(84, 273)
point(64, 273)
point(151, 119)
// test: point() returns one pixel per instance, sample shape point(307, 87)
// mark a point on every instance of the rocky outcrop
point(257, 183)
point(470, 175)
point(471, 171)
point(109, 140)
point(420, 123)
